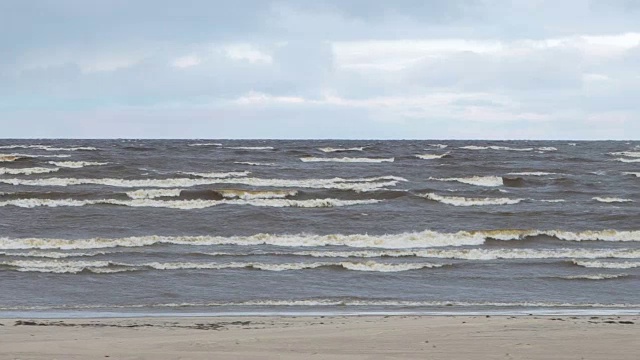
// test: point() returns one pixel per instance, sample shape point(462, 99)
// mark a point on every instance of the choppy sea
point(217, 227)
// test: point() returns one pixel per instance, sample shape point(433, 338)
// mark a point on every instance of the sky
point(343, 69)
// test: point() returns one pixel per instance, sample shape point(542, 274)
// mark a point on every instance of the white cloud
point(186, 61)
point(247, 52)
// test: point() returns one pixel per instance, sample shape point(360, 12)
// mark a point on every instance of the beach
point(324, 337)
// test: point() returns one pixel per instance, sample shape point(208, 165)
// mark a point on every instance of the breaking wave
point(431, 156)
point(346, 160)
point(439, 146)
point(331, 150)
point(635, 154)
point(506, 148)
point(475, 180)
point(358, 184)
point(464, 201)
point(611, 200)
point(218, 175)
point(594, 277)
point(76, 164)
point(189, 204)
point(628, 160)
point(69, 266)
point(342, 302)
point(424, 239)
point(27, 171)
point(532, 173)
point(49, 148)
point(253, 163)
point(249, 147)
point(608, 264)
point(205, 144)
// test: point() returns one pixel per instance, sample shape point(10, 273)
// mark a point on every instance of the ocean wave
point(439, 146)
point(249, 147)
point(608, 264)
point(628, 160)
point(74, 267)
point(506, 148)
point(341, 302)
point(216, 175)
point(611, 200)
point(346, 160)
point(256, 194)
point(594, 277)
point(153, 193)
point(331, 150)
point(464, 201)
point(358, 184)
point(27, 171)
point(636, 174)
point(475, 180)
point(532, 173)
point(14, 157)
point(76, 164)
point(53, 254)
point(554, 201)
point(459, 254)
point(635, 154)
point(253, 163)
point(424, 239)
point(205, 144)
point(431, 156)
point(49, 148)
point(188, 204)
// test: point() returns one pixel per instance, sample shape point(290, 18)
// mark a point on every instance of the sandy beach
point(335, 337)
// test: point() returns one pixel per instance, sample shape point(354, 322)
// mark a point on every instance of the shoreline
point(335, 337)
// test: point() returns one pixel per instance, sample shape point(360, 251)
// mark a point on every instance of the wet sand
point(331, 337)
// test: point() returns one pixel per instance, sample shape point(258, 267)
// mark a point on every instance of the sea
point(273, 227)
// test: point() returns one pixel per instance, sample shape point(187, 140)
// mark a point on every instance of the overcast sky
point(449, 69)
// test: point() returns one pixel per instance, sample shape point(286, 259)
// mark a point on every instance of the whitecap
point(608, 264)
point(431, 156)
point(611, 200)
point(346, 160)
point(27, 171)
point(331, 150)
point(491, 181)
point(464, 201)
point(76, 164)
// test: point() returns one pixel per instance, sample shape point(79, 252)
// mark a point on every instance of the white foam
point(554, 201)
point(55, 266)
point(475, 254)
point(491, 181)
point(635, 154)
point(27, 171)
point(572, 144)
point(424, 239)
point(356, 266)
point(187, 204)
point(76, 164)
point(532, 173)
point(153, 193)
point(249, 147)
point(359, 184)
point(464, 201)
point(431, 156)
point(205, 144)
point(608, 264)
point(253, 163)
point(330, 149)
point(439, 146)
point(506, 148)
point(257, 194)
point(628, 160)
point(611, 200)
point(636, 174)
point(318, 302)
point(219, 175)
point(14, 157)
point(595, 277)
point(49, 148)
point(346, 160)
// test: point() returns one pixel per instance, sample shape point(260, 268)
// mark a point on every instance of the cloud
point(329, 68)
